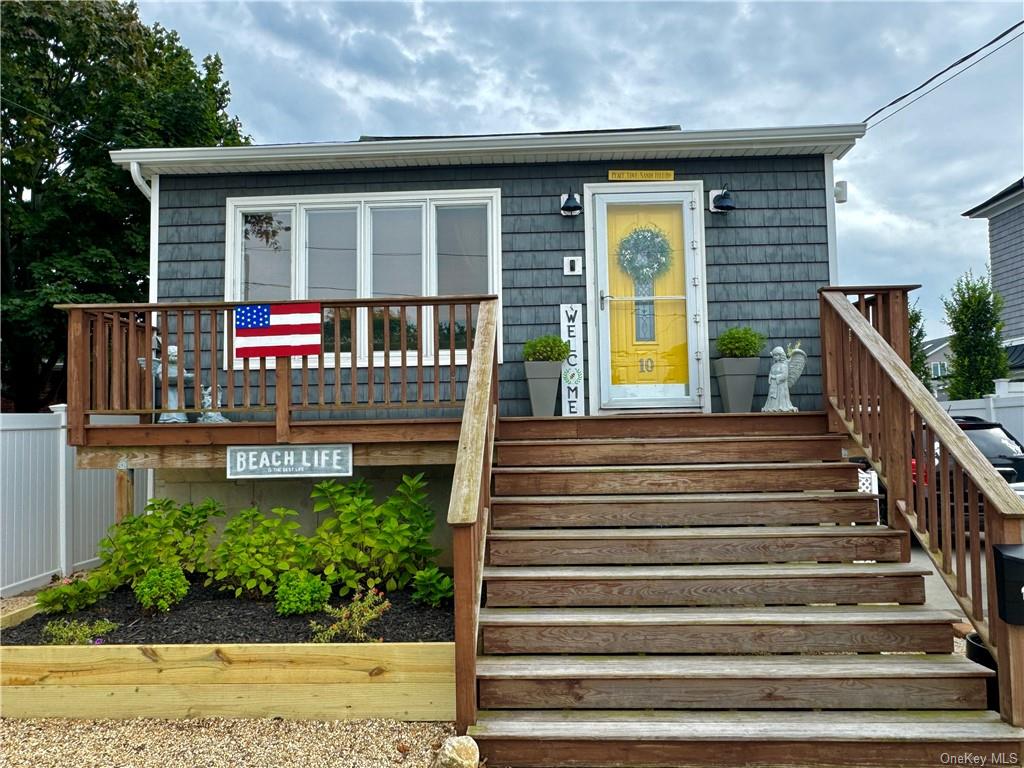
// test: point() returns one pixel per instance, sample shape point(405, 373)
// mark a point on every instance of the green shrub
point(364, 543)
point(255, 550)
point(352, 620)
point(549, 347)
point(167, 534)
point(75, 632)
point(431, 587)
point(75, 594)
point(301, 592)
point(162, 587)
point(740, 342)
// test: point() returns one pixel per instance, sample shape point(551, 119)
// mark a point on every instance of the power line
point(951, 77)
point(51, 121)
point(954, 65)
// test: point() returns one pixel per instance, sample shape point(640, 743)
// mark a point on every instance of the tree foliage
point(918, 358)
point(81, 79)
point(976, 346)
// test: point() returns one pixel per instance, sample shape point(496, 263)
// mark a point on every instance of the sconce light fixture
point(841, 192)
point(570, 204)
point(720, 201)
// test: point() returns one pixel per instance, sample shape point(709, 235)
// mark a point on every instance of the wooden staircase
point(708, 591)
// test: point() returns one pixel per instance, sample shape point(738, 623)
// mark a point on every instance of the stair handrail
point(914, 445)
point(469, 507)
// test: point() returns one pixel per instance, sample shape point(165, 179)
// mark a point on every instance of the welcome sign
point(262, 461)
point(571, 317)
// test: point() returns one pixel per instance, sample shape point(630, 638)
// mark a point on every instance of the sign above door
point(641, 175)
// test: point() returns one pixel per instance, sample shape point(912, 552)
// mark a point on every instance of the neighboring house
point(937, 359)
point(1005, 214)
point(480, 214)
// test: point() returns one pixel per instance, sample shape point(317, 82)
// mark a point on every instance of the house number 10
point(646, 365)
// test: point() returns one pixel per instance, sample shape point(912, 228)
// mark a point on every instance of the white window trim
point(298, 205)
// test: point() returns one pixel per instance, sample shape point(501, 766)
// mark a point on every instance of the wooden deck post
point(77, 363)
point(283, 398)
point(124, 493)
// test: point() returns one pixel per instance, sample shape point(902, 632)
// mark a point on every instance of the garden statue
point(210, 416)
point(787, 365)
point(172, 415)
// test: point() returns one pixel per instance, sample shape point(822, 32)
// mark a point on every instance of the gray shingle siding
point(765, 261)
point(1006, 248)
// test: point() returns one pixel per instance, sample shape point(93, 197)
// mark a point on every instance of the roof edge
point(999, 202)
point(152, 159)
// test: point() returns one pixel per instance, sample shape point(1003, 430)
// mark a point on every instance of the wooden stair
point(708, 591)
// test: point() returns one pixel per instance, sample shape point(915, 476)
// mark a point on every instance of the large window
point(343, 247)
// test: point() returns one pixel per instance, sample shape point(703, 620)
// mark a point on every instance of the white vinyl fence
point(52, 515)
point(1005, 405)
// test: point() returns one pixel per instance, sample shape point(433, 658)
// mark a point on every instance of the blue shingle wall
point(765, 260)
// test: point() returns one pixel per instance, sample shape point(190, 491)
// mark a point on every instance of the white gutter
point(139, 181)
point(466, 147)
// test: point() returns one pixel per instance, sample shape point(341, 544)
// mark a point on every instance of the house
point(719, 574)
point(1005, 214)
point(936, 353)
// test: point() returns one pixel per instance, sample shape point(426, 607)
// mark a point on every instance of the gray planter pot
point(542, 378)
point(736, 378)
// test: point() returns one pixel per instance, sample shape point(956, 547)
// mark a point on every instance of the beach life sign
point(264, 461)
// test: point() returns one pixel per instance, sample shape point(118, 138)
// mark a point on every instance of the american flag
point(277, 330)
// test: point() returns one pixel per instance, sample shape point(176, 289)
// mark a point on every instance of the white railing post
point(64, 491)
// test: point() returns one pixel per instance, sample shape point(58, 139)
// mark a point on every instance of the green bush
point(167, 534)
point(75, 632)
point(75, 594)
point(162, 587)
point(740, 342)
point(364, 543)
point(301, 592)
point(255, 550)
point(352, 620)
point(542, 348)
point(431, 587)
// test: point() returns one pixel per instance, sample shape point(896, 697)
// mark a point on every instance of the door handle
point(604, 299)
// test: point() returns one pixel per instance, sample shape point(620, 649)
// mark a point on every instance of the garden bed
point(209, 615)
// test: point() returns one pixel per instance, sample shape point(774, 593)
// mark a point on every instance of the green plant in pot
point(736, 367)
point(543, 358)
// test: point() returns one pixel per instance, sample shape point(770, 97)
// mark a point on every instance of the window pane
point(462, 250)
point(331, 254)
point(267, 256)
point(397, 235)
point(397, 251)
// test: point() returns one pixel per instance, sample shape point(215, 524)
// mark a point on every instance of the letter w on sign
point(278, 330)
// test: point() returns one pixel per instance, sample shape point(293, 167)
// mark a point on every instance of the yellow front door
point(647, 283)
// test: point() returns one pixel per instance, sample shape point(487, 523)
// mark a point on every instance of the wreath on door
point(645, 254)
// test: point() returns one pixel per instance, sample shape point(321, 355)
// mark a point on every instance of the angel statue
point(209, 415)
point(787, 365)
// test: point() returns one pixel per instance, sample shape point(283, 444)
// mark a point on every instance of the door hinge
point(693, 205)
point(695, 281)
point(700, 392)
point(696, 318)
point(698, 355)
point(693, 245)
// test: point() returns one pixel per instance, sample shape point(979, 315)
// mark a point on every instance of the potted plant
point(736, 367)
point(543, 358)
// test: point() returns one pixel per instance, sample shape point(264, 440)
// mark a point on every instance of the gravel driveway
point(218, 743)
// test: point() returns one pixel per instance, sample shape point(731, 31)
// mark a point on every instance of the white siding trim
point(830, 221)
point(154, 239)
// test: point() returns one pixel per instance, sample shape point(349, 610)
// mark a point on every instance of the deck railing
point(921, 455)
point(469, 508)
point(411, 353)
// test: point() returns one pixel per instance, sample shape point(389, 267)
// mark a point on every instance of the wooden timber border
point(403, 681)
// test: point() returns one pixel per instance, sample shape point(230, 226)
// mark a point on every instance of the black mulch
point(207, 615)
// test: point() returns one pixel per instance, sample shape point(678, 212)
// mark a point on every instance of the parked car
point(1004, 451)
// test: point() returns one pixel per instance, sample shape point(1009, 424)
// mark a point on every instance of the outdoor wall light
point(720, 201)
point(570, 204)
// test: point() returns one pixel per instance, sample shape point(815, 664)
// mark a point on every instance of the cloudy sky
point(307, 71)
